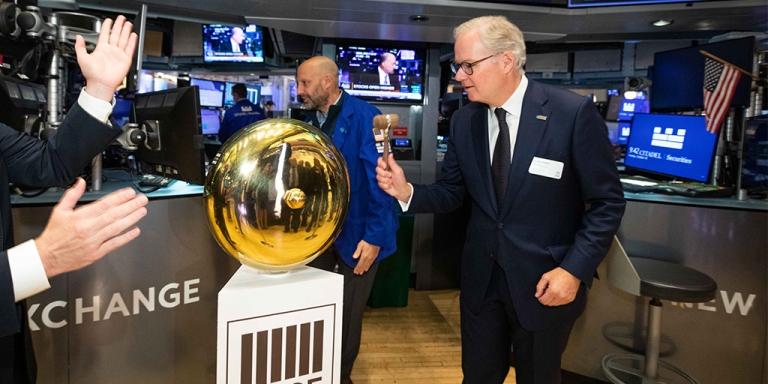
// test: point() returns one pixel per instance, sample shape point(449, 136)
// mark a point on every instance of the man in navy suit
point(369, 233)
point(546, 201)
point(73, 237)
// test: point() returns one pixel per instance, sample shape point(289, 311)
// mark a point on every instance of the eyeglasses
point(467, 67)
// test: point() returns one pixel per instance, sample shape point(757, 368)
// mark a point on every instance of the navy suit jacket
point(372, 212)
point(38, 163)
point(543, 222)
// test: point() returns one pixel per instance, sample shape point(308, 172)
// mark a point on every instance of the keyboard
point(694, 190)
point(675, 188)
point(638, 186)
point(154, 181)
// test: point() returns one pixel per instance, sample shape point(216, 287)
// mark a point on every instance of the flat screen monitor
point(382, 74)
point(211, 120)
point(228, 99)
point(678, 76)
point(754, 172)
point(676, 146)
point(253, 92)
point(174, 142)
point(240, 44)
point(623, 131)
point(614, 106)
point(121, 112)
point(629, 107)
point(211, 92)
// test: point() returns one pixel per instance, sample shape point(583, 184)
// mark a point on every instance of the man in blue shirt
point(242, 114)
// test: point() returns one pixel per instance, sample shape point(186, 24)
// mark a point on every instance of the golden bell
point(295, 198)
point(277, 194)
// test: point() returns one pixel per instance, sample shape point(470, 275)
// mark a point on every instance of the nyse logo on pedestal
point(293, 347)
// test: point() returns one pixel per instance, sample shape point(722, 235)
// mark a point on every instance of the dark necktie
point(501, 157)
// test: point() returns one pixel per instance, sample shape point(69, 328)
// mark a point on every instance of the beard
point(315, 100)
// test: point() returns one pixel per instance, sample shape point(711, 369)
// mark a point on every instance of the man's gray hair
point(498, 35)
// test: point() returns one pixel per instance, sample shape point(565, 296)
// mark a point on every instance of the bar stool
point(658, 280)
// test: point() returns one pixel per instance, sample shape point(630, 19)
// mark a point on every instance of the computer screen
point(678, 76)
point(623, 132)
point(223, 43)
point(678, 146)
point(211, 120)
point(174, 141)
point(755, 166)
point(211, 92)
point(631, 106)
point(254, 92)
point(382, 74)
point(122, 111)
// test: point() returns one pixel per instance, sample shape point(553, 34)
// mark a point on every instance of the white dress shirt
point(383, 77)
point(514, 107)
point(27, 270)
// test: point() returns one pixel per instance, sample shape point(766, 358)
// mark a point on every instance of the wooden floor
point(420, 343)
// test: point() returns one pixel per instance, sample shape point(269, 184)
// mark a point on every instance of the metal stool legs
point(651, 362)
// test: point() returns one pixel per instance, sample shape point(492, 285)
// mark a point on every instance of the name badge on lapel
point(547, 168)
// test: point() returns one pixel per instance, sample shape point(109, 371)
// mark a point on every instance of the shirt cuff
point(404, 206)
point(27, 271)
point(99, 109)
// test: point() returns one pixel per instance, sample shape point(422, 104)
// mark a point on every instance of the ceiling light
point(419, 18)
point(661, 23)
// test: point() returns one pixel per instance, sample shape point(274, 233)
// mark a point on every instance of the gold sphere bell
point(276, 194)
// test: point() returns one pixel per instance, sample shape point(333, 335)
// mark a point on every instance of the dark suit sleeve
point(39, 163)
point(601, 190)
point(58, 160)
point(448, 192)
point(9, 323)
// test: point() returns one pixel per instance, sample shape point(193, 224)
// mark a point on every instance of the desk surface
point(719, 202)
point(117, 180)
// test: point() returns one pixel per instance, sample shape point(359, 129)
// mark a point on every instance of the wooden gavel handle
point(384, 123)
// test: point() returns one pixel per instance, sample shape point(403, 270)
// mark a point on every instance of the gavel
point(383, 123)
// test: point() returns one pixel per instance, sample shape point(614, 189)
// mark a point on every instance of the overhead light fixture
point(253, 74)
point(661, 23)
point(419, 18)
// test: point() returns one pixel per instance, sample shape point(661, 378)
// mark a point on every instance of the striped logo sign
point(293, 347)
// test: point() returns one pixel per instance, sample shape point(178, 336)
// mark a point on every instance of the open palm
point(105, 68)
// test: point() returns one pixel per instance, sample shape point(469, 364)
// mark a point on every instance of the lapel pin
point(541, 117)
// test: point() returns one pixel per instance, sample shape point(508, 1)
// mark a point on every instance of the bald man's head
point(318, 80)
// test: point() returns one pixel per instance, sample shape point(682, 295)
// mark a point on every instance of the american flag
point(720, 82)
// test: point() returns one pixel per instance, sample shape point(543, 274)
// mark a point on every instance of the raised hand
point(76, 237)
point(105, 68)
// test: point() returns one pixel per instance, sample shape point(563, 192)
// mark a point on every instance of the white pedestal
point(280, 329)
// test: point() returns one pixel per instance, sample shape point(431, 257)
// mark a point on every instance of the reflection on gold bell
point(276, 194)
point(295, 198)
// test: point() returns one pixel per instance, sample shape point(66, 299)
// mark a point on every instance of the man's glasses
point(467, 67)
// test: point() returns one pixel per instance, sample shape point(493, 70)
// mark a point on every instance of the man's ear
point(508, 59)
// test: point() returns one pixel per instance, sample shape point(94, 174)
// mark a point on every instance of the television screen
point(382, 74)
point(603, 3)
point(253, 90)
point(210, 120)
point(678, 76)
point(211, 92)
point(673, 145)
point(223, 43)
